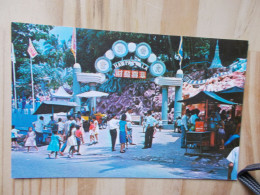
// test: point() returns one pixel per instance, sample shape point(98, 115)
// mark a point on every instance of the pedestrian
point(144, 122)
point(53, 124)
point(184, 127)
point(178, 124)
point(65, 134)
point(30, 139)
point(54, 145)
point(39, 126)
point(233, 163)
point(96, 131)
point(113, 126)
point(150, 124)
point(60, 126)
point(221, 134)
point(67, 126)
point(123, 132)
point(91, 132)
point(79, 123)
point(79, 137)
point(160, 124)
point(71, 141)
point(14, 136)
point(129, 125)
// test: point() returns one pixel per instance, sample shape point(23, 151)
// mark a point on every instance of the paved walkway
point(164, 160)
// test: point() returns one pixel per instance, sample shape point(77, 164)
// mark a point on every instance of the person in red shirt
point(79, 138)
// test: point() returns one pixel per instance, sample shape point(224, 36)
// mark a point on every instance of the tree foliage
point(54, 63)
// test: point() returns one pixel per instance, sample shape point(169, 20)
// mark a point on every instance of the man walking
point(38, 126)
point(129, 125)
point(184, 127)
point(150, 124)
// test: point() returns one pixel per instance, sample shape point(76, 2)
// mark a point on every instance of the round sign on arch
point(143, 58)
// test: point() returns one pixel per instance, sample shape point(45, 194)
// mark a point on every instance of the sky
point(64, 33)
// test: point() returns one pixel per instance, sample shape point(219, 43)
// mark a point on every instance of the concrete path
point(164, 160)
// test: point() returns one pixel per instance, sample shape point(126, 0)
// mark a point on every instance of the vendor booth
point(204, 131)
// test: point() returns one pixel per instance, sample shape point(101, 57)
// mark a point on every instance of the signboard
point(139, 53)
point(120, 49)
point(143, 50)
point(103, 65)
point(133, 74)
point(131, 63)
point(157, 68)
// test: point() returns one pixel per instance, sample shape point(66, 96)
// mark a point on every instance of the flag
point(31, 50)
point(180, 51)
point(73, 43)
point(12, 54)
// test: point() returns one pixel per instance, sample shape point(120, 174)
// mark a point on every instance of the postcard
point(94, 103)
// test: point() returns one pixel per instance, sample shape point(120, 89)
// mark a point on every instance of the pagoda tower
point(216, 63)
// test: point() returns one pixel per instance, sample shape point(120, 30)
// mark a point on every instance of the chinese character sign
point(127, 73)
point(118, 73)
point(134, 74)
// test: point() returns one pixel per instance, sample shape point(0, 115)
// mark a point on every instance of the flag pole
point(32, 83)
point(14, 77)
point(75, 45)
point(15, 95)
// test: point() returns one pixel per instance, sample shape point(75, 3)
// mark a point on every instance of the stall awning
point(202, 96)
point(234, 93)
point(232, 90)
point(50, 107)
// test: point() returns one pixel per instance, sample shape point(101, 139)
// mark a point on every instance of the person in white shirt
point(113, 125)
point(14, 136)
point(39, 126)
point(129, 125)
point(60, 126)
point(233, 165)
point(150, 124)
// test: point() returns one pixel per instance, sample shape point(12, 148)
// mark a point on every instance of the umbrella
point(91, 94)
point(50, 107)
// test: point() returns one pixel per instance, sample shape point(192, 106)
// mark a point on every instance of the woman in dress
point(54, 145)
point(123, 132)
point(72, 141)
point(91, 133)
point(96, 132)
point(30, 139)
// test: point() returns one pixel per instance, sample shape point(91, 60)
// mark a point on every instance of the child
point(30, 139)
point(96, 125)
point(79, 137)
point(71, 142)
point(54, 145)
point(91, 132)
point(14, 136)
point(123, 132)
point(178, 124)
